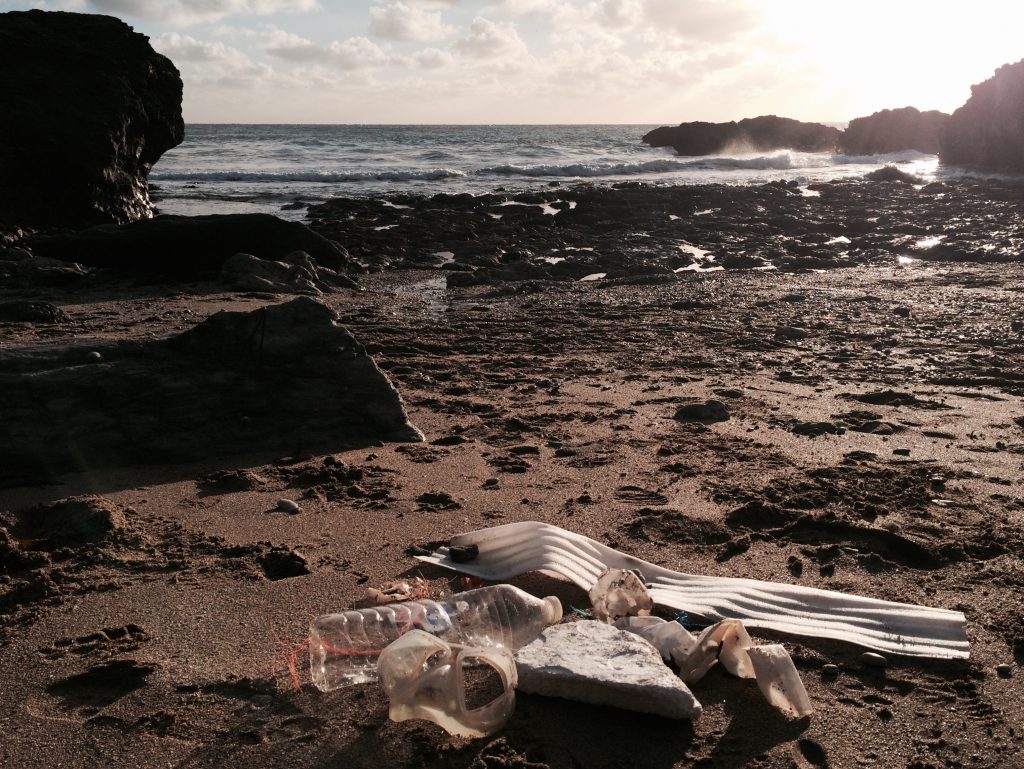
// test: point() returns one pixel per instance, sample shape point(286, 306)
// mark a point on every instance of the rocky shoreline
point(631, 230)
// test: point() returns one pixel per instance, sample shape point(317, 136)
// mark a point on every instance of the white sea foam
point(325, 177)
point(269, 166)
point(781, 161)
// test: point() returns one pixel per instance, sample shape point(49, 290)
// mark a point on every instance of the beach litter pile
point(420, 650)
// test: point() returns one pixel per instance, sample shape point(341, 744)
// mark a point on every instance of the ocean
point(245, 168)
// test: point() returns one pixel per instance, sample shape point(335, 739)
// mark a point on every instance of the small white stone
point(288, 506)
point(873, 660)
point(597, 663)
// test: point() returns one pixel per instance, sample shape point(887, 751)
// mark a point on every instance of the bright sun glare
point(896, 53)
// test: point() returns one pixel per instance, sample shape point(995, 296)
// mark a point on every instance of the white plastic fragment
point(424, 678)
point(885, 626)
point(726, 642)
point(593, 662)
point(619, 593)
point(779, 681)
point(397, 591)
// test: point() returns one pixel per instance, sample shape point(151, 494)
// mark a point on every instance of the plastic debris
point(394, 592)
point(885, 626)
point(779, 681)
point(424, 677)
point(620, 593)
point(344, 647)
point(729, 643)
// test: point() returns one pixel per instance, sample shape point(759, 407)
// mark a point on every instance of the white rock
point(597, 663)
point(288, 506)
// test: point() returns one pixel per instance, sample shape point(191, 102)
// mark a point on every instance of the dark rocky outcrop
point(893, 174)
point(188, 246)
point(31, 311)
point(281, 380)
point(759, 134)
point(86, 108)
point(894, 130)
point(297, 273)
point(988, 131)
point(21, 269)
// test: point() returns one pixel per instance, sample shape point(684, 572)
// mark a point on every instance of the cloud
point(407, 21)
point(185, 12)
point(187, 48)
point(204, 62)
point(704, 20)
point(491, 40)
point(288, 45)
point(432, 58)
point(356, 53)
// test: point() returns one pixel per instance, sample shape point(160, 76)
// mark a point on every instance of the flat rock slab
point(286, 379)
point(188, 246)
point(597, 663)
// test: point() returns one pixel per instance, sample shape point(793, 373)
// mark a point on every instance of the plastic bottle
point(344, 647)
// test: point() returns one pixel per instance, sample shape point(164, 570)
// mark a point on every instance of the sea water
point(237, 168)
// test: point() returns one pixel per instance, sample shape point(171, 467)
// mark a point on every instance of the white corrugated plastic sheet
point(895, 628)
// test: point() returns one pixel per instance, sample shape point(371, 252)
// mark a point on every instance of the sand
point(164, 639)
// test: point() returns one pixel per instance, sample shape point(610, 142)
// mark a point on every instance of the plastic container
point(344, 647)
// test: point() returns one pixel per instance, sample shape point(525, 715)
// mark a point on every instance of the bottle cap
point(552, 610)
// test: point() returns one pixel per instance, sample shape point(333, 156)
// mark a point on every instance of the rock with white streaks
point(597, 663)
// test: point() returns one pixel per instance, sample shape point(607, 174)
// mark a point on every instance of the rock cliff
point(759, 134)
point(894, 130)
point(86, 108)
point(988, 131)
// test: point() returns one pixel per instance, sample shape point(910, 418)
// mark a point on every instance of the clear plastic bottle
point(344, 647)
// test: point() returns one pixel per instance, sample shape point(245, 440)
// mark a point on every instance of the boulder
point(988, 131)
point(87, 108)
point(759, 134)
point(297, 273)
point(894, 130)
point(893, 174)
point(31, 311)
point(280, 380)
point(188, 246)
point(20, 268)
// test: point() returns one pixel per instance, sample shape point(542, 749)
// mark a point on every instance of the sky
point(567, 61)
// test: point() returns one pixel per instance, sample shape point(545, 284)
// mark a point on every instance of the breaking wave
point(430, 175)
point(782, 161)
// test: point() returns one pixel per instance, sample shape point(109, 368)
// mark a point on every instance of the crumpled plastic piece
point(884, 626)
point(619, 593)
point(424, 678)
point(726, 642)
point(397, 591)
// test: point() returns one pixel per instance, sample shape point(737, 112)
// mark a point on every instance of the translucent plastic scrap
point(619, 593)
point(397, 591)
point(726, 642)
point(424, 678)
point(779, 681)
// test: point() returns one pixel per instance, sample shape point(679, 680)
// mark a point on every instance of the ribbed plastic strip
point(885, 626)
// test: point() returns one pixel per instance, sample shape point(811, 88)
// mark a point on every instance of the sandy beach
point(875, 446)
